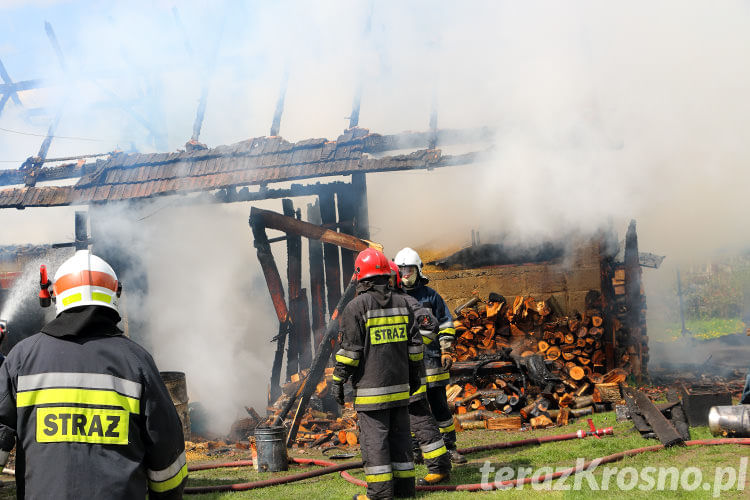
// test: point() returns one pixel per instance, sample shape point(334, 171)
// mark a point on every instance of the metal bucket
point(730, 420)
point(271, 448)
point(177, 387)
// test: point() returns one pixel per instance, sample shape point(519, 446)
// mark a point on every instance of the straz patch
point(82, 425)
point(388, 329)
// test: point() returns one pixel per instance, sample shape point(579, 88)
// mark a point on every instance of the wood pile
point(323, 424)
point(572, 349)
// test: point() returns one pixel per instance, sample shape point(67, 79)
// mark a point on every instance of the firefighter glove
point(446, 360)
point(338, 392)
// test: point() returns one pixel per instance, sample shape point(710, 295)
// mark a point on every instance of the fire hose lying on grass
point(331, 467)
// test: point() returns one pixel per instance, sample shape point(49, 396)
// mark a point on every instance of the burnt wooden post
point(347, 216)
point(301, 315)
point(633, 300)
point(607, 252)
point(294, 277)
point(81, 230)
point(276, 289)
point(330, 252)
point(276, 123)
point(317, 280)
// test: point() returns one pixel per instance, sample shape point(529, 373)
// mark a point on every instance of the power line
point(55, 136)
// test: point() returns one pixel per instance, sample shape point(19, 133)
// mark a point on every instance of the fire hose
point(330, 467)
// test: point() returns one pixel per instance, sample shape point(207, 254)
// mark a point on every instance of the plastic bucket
point(177, 387)
point(271, 448)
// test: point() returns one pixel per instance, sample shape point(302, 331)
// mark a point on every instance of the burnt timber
point(256, 161)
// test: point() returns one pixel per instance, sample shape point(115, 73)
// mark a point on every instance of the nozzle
point(3, 329)
point(45, 299)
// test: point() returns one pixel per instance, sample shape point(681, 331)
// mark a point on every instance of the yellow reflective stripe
point(403, 473)
point(387, 320)
point(171, 483)
point(450, 428)
point(426, 340)
point(435, 453)
point(448, 331)
point(78, 396)
point(385, 398)
point(379, 478)
point(416, 357)
point(336, 378)
point(347, 361)
point(76, 297)
point(438, 377)
point(422, 389)
point(101, 297)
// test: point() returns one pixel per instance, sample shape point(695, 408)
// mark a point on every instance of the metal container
point(271, 448)
point(177, 387)
point(730, 420)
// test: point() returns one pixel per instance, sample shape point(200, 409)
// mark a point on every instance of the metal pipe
point(729, 420)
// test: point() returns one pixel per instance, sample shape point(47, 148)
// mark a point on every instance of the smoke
point(602, 112)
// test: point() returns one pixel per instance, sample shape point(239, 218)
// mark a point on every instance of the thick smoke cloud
point(602, 112)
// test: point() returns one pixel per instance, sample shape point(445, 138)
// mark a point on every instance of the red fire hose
point(330, 467)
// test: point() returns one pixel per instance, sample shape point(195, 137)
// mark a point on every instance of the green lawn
point(702, 329)
point(558, 454)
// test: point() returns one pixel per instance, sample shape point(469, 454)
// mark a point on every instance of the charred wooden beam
point(317, 279)
point(294, 278)
point(301, 314)
point(268, 265)
point(290, 225)
point(330, 252)
point(276, 123)
point(663, 428)
point(633, 299)
point(346, 217)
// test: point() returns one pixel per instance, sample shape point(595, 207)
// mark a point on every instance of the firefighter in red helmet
point(381, 352)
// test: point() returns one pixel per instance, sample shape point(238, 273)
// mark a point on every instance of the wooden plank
point(317, 280)
point(635, 414)
point(663, 428)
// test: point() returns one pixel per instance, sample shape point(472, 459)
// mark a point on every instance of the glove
point(338, 392)
point(446, 360)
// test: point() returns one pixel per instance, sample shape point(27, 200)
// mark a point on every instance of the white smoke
point(602, 111)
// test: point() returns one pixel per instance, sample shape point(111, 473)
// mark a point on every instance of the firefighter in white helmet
point(84, 405)
point(438, 348)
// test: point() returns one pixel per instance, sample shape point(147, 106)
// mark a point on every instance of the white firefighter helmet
point(405, 258)
point(85, 280)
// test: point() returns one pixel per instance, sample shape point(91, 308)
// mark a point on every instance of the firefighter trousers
point(439, 405)
point(386, 451)
point(425, 431)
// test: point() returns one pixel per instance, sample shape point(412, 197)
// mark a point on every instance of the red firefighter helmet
point(396, 273)
point(371, 262)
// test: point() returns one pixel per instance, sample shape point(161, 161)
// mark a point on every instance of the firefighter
point(380, 351)
point(438, 348)
point(84, 405)
point(427, 441)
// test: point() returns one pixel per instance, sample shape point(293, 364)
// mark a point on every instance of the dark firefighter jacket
point(428, 327)
point(92, 416)
point(446, 335)
point(381, 348)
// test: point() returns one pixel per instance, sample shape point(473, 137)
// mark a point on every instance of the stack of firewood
point(571, 346)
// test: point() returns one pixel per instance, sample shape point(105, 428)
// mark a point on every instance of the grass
point(702, 329)
point(558, 454)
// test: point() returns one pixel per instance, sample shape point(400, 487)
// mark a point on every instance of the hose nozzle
point(45, 299)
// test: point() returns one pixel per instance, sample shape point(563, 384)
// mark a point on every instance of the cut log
point(543, 346)
point(596, 321)
point(569, 338)
point(582, 401)
point(607, 393)
point(576, 373)
point(562, 416)
point(352, 437)
point(582, 389)
point(503, 423)
point(552, 353)
point(541, 422)
point(473, 425)
point(580, 412)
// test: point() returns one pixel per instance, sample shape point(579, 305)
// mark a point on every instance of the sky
point(604, 112)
